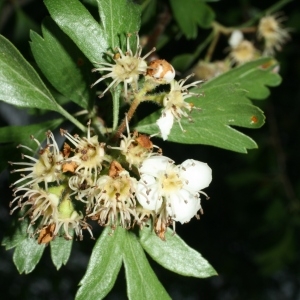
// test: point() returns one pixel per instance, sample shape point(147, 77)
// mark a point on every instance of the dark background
point(250, 229)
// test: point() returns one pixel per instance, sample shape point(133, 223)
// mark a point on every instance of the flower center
point(170, 182)
point(118, 188)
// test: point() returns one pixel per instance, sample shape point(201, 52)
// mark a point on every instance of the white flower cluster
point(92, 180)
point(89, 180)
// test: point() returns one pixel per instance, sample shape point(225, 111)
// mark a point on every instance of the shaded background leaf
point(11, 136)
point(192, 14)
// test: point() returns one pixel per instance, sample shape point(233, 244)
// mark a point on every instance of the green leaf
point(190, 14)
point(255, 77)
point(27, 255)
point(225, 103)
point(11, 136)
point(175, 255)
point(222, 106)
point(23, 24)
point(60, 251)
point(63, 64)
point(104, 265)
point(76, 21)
point(142, 283)
point(20, 85)
point(118, 18)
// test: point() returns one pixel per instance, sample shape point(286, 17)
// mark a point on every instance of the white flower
point(173, 192)
point(175, 106)
point(127, 67)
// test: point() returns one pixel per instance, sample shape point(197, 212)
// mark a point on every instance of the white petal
point(197, 174)
point(165, 123)
point(184, 206)
point(154, 164)
point(235, 38)
point(147, 193)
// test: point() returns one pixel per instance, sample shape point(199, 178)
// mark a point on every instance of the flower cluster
point(128, 67)
point(115, 185)
point(88, 180)
point(246, 44)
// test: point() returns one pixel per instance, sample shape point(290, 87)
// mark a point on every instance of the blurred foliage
point(250, 229)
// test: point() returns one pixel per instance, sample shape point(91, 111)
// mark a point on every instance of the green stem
point(116, 106)
point(269, 11)
point(71, 119)
point(211, 48)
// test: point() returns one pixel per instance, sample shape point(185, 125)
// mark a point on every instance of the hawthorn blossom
point(46, 168)
point(115, 198)
point(127, 67)
point(88, 154)
point(271, 30)
point(172, 192)
point(242, 50)
point(136, 147)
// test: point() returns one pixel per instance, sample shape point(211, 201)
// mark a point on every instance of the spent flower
point(88, 153)
point(136, 147)
point(241, 50)
point(115, 198)
point(127, 67)
point(175, 106)
point(271, 30)
point(46, 168)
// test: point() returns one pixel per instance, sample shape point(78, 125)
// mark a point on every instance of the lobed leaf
point(255, 77)
point(142, 283)
point(225, 104)
point(63, 64)
point(104, 265)
point(27, 255)
point(118, 18)
point(76, 21)
point(20, 85)
point(60, 251)
point(175, 255)
point(192, 14)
